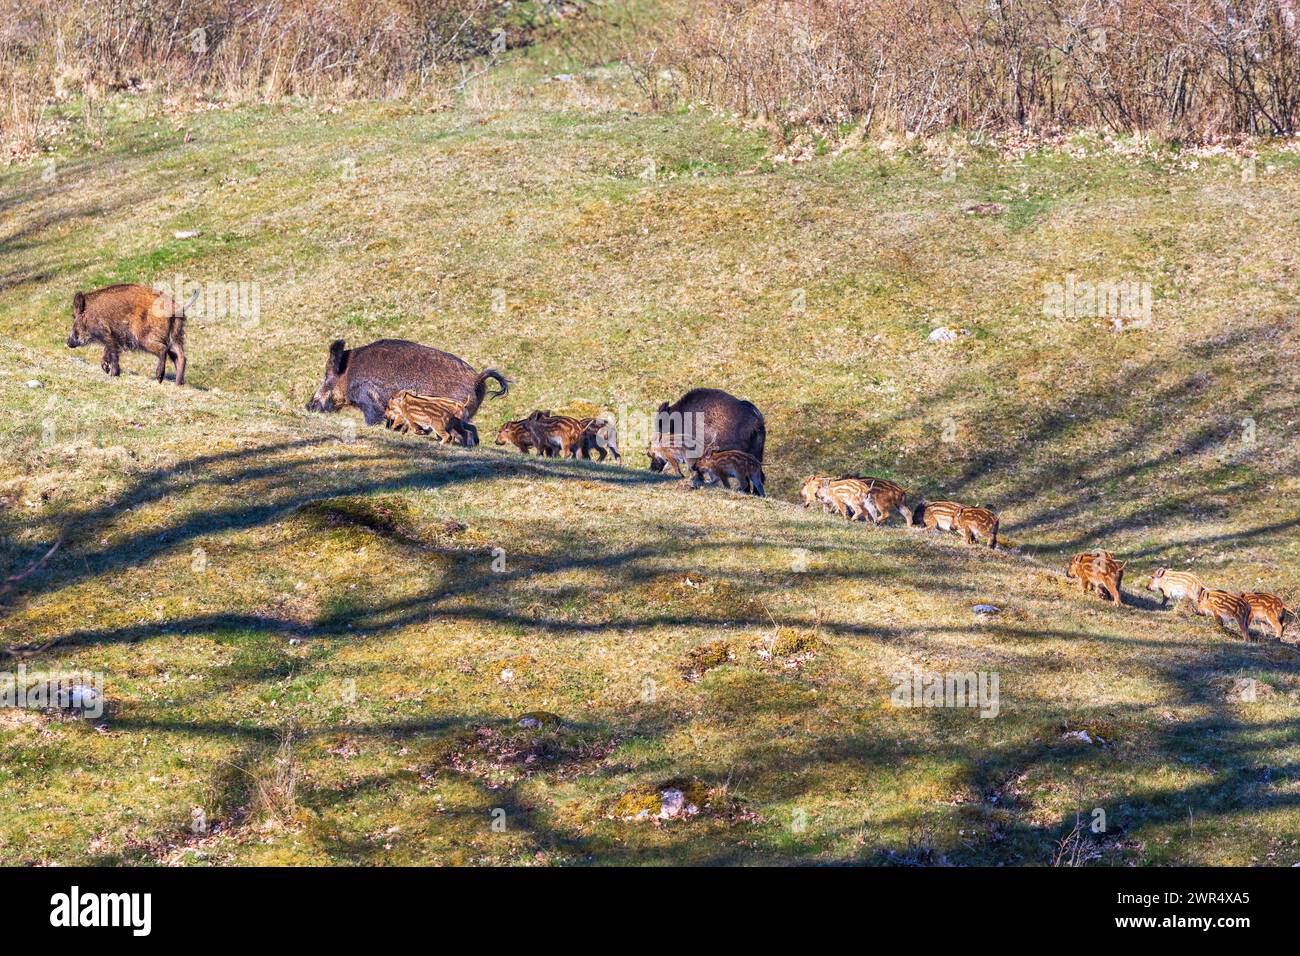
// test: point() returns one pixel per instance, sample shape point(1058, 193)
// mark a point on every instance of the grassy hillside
point(323, 637)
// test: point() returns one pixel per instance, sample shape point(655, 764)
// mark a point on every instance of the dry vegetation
point(1191, 69)
point(51, 50)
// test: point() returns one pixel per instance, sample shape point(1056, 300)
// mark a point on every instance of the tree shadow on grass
point(265, 485)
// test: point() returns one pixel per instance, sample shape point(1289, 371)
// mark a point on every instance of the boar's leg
point(874, 511)
point(109, 362)
point(178, 360)
point(371, 408)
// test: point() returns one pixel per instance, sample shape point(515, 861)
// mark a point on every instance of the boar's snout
point(325, 399)
point(73, 341)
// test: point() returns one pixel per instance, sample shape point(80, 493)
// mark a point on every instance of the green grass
point(271, 599)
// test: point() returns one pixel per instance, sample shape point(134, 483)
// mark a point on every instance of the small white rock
point(1080, 735)
point(34, 383)
point(673, 802)
point(80, 697)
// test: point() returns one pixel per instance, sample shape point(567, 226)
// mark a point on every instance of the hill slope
point(321, 639)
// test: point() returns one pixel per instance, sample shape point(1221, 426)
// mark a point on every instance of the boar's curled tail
point(188, 305)
point(480, 384)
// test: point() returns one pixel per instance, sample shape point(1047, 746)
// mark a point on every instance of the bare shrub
point(1197, 69)
point(269, 780)
point(246, 49)
point(274, 788)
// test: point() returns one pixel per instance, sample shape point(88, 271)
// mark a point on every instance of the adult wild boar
point(705, 417)
point(131, 317)
point(369, 376)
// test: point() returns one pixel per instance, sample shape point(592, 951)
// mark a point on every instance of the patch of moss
point(635, 803)
point(791, 641)
point(698, 661)
point(647, 802)
point(694, 789)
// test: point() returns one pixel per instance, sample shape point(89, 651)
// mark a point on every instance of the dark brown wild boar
point(131, 317)
point(368, 377)
point(704, 417)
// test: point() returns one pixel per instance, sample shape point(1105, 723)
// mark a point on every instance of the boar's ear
point(79, 303)
point(338, 357)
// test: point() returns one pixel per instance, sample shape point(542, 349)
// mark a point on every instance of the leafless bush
point(1069, 850)
point(240, 49)
point(1196, 69)
point(274, 788)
